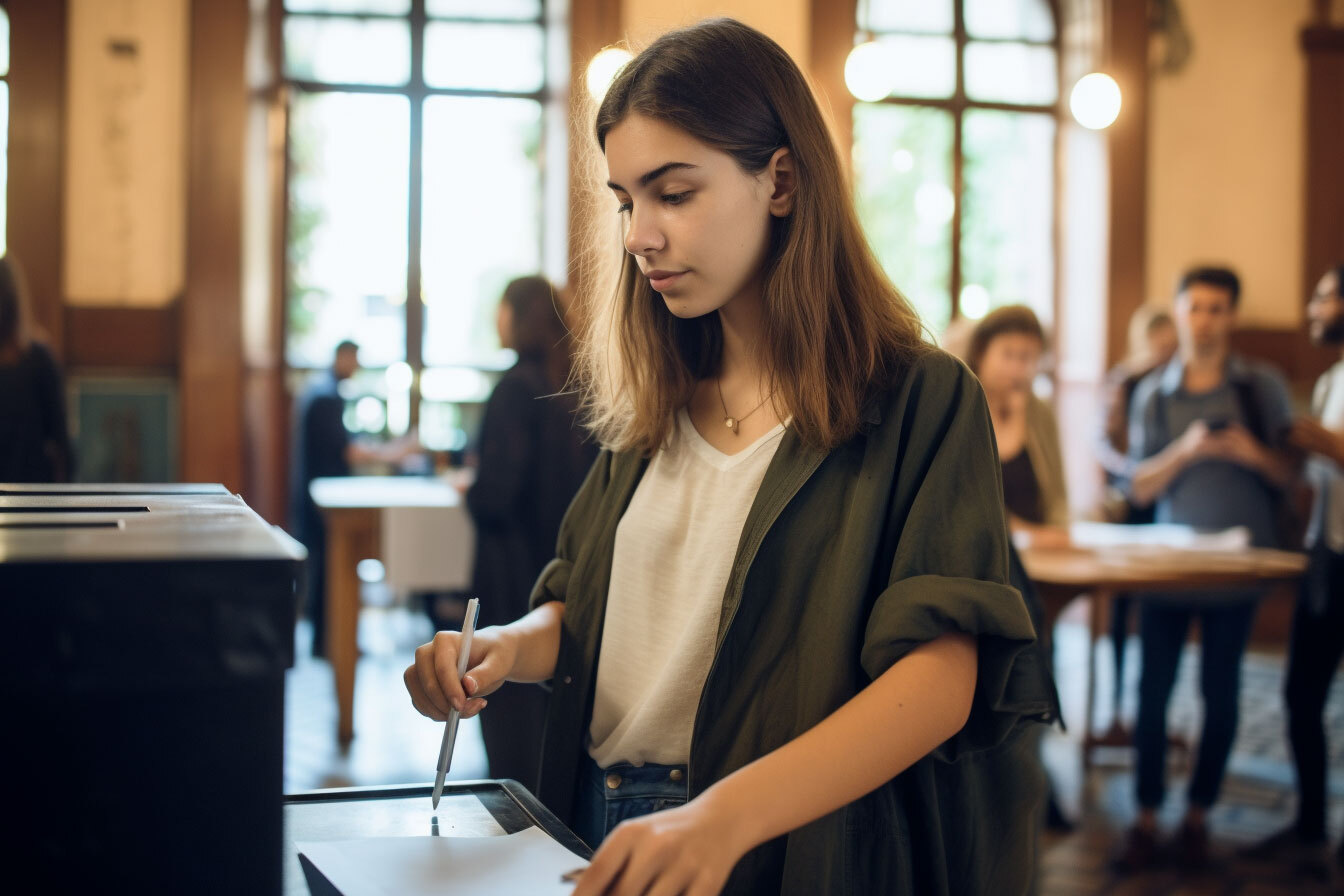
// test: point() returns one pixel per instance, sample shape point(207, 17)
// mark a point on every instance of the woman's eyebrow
point(650, 176)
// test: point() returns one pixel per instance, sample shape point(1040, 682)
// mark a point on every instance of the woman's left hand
point(688, 850)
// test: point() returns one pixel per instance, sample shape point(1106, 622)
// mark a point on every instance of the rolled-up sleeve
point(950, 569)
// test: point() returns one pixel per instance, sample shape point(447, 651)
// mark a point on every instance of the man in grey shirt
point(1203, 434)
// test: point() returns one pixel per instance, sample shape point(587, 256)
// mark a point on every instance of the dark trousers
point(1313, 657)
point(312, 534)
point(512, 725)
point(1224, 630)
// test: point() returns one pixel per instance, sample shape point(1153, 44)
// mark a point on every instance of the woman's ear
point(783, 174)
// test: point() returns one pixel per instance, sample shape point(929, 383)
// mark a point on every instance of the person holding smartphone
point(1202, 437)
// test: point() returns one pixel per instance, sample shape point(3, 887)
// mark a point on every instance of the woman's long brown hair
point(836, 329)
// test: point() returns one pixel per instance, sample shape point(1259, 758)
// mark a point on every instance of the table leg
point(342, 620)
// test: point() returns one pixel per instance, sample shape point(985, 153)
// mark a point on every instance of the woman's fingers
point(486, 678)
point(644, 861)
point(474, 707)
point(417, 700)
point(674, 878)
point(444, 669)
point(427, 679)
point(606, 866)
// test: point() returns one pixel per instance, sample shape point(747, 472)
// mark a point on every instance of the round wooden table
point(1143, 571)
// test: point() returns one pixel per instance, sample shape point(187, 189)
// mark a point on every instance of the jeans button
point(613, 781)
point(568, 680)
point(676, 775)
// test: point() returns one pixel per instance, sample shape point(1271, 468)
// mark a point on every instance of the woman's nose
point(641, 234)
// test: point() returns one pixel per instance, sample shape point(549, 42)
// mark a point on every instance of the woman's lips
point(661, 280)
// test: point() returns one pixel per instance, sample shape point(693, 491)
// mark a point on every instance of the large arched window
point(426, 169)
point(955, 167)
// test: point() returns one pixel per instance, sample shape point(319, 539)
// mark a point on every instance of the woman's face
point(1163, 342)
point(697, 224)
point(504, 325)
point(1009, 363)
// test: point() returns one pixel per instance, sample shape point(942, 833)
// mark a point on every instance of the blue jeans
point(609, 796)
point(1224, 630)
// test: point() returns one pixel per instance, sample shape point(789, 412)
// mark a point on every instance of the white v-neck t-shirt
point(674, 549)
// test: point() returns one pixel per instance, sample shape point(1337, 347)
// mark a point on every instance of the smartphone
point(1218, 424)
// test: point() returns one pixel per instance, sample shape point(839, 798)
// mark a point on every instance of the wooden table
point(1145, 569)
point(354, 508)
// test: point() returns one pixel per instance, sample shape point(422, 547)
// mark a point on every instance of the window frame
point(957, 105)
point(417, 92)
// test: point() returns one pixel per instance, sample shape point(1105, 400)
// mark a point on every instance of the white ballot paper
point(528, 863)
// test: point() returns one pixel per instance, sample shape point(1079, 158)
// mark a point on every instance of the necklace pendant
point(731, 423)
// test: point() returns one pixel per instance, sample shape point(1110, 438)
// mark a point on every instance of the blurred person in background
point(322, 447)
point(34, 442)
point(1318, 623)
point(1206, 431)
point(534, 455)
point(1005, 352)
point(1153, 341)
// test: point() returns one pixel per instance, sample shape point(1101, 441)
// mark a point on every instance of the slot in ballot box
point(468, 809)
point(144, 636)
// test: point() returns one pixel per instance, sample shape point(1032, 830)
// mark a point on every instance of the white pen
point(450, 729)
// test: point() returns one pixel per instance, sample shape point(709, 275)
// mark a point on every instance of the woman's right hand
point(432, 679)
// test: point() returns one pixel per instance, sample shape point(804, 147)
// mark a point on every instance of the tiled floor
point(394, 744)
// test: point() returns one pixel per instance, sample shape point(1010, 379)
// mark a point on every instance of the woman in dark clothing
point(34, 442)
point(534, 456)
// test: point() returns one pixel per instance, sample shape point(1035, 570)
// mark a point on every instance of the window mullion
point(958, 114)
point(415, 307)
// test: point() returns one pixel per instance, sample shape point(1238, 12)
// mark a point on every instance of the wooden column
point(36, 183)
point(831, 38)
point(1127, 26)
point(1323, 49)
point(210, 369)
point(594, 24)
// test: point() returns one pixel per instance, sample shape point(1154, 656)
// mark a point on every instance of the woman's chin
point(685, 308)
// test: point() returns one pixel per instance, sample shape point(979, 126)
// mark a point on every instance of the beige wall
point(1226, 155)
point(125, 196)
point(784, 20)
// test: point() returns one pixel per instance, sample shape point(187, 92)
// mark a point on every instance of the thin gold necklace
point(728, 419)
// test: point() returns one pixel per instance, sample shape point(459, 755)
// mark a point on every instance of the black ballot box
point(144, 636)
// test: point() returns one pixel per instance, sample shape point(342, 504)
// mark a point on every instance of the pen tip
point(435, 801)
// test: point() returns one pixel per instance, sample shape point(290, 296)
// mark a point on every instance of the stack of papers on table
point(1165, 535)
point(528, 863)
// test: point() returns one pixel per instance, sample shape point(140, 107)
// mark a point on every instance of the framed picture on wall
point(124, 428)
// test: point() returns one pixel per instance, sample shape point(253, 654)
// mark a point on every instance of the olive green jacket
point(848, 560)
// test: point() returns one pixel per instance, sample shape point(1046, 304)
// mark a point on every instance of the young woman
point(778, 628)
point(533, 458)
point(1005, 353)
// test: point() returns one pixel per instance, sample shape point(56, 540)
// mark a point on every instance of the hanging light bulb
point(1095, 101)
point(603, 69)
point(868, 72)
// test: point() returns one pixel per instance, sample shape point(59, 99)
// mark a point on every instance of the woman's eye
point(622, 208)
point(676, 198)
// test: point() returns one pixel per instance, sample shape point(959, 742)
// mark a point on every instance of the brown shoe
point(1139, 852)
point(1192, 847)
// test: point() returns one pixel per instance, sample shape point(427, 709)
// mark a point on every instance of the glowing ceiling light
point(1095, 101)
point(603, 69)
point(869, 73)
